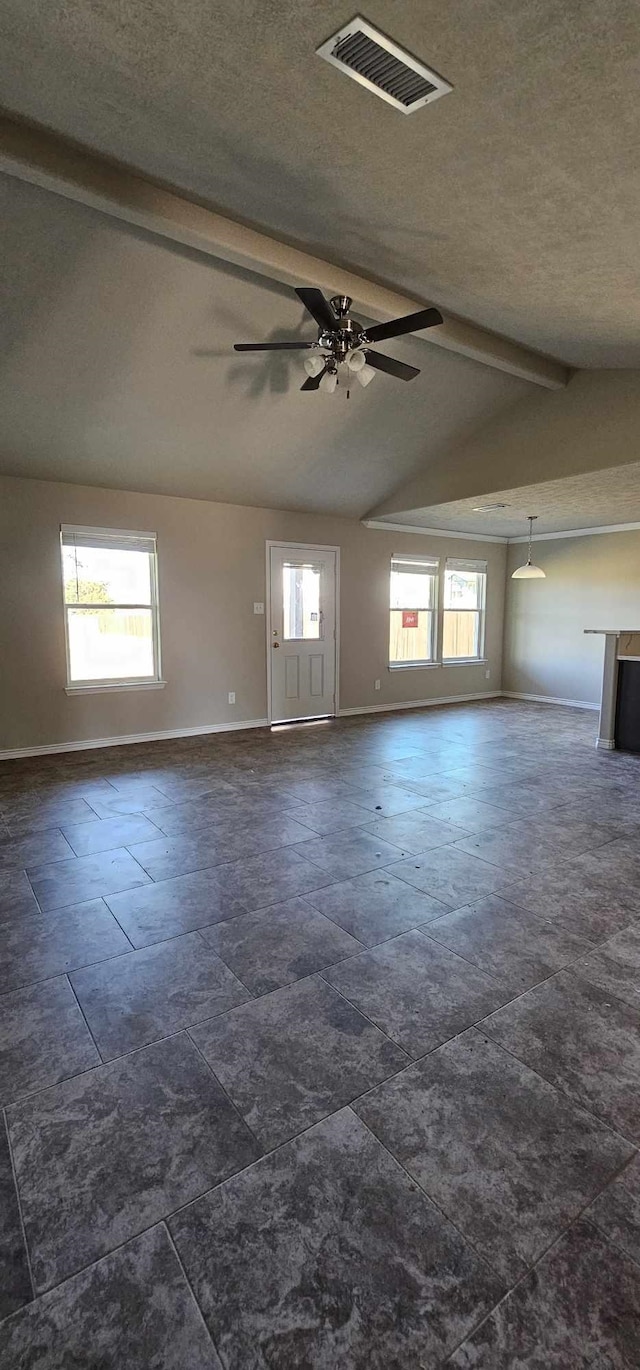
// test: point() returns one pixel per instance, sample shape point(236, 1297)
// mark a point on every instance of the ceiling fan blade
point(272, 346)
point(318, 307)
point(394, 368)
point(313, 382)
point(411, 323)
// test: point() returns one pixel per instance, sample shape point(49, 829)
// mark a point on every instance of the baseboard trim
point(165, 735)
point(419, 703)
point(606, 744)
point(550, 699)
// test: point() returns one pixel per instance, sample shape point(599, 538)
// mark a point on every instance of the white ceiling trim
point(576, 533)
point(45, 160)
point(431, 532)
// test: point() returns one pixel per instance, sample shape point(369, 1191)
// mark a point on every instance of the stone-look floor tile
point(450, 875)
point(167, 857)
point(517, 798)
point(375, 906)
point(109, 833)
point(332, 815)
point(417, 991)
point(101, 1157)
point(515, 853)
point(387, 800)
point(275, 946)
point(43, 1038)
point(567, 833)
point(15, 1281)
point(230, 841)
point(617, 1211)
point(320, 791)
point(470, 813)
point(85, 877)
point(581, 1039)
point(591, 908)
point(34, 849)
point(137, 801)
point(326, 1254)
point(171, 907)
point(505, 1156)
point(615, 967)
point(620, 859)
point(507, 942)
point(292, 1057)
point(132, 1310)
point(42, 945)
point(270, 878)
point(16, 896)
point(134, 999)
point(349, 853)
point(415, 832)
point(53, 815)
point(579, 1308)
point(434, 789)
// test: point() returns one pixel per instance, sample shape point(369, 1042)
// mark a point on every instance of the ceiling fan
point(343, 342)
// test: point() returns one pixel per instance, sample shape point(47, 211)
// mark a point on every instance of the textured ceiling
point(596, 499)
point(514, 201)
point(102, 380)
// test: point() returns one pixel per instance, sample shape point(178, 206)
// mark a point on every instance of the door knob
point(276, 644)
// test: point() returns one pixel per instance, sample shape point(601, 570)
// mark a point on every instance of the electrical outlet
point(487, 674)
point(232, 696)
point(376, 684)
point(258, 606)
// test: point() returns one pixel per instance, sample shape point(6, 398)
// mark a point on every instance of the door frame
point(307, 547)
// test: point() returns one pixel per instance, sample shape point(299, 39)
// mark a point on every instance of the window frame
point(478, 568)
point(117, 538)
point(421, 663)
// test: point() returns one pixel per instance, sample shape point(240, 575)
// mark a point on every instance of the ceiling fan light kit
point(529, 571)
point(342, 342)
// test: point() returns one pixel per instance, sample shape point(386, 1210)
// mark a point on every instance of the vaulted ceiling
point(513, 201)
point(117, 368)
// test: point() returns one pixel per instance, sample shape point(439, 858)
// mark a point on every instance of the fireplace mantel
point(620, 644)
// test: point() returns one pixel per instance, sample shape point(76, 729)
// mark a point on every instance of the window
point(464, 605)
point(412, 611)
point(110, 608)
point(301, 601)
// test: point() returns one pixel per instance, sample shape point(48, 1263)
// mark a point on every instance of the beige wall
point(211, 569)
point(591, 582)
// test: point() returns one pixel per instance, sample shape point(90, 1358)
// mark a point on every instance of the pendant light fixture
point(529, 571)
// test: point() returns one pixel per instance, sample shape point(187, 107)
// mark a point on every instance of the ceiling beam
point(43, 159)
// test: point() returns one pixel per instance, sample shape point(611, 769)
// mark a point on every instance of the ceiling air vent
point(371, 58)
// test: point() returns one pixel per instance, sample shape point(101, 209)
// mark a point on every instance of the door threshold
point(301, 722)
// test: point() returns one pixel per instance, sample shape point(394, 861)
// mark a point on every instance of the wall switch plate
point(376, 684)
point(487, 674)
point(258, 606)
point(232, 696)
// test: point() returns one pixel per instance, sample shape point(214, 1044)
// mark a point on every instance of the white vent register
point(376, 62)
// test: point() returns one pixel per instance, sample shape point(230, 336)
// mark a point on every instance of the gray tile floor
point(320, 1048)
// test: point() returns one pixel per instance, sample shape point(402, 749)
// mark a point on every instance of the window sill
point(467, 661)
point(412, 665)
point(116, 688)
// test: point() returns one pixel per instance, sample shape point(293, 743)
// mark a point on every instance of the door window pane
point(301, 601)
point(110, 644)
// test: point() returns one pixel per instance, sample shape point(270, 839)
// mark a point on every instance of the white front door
point(302, 632)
